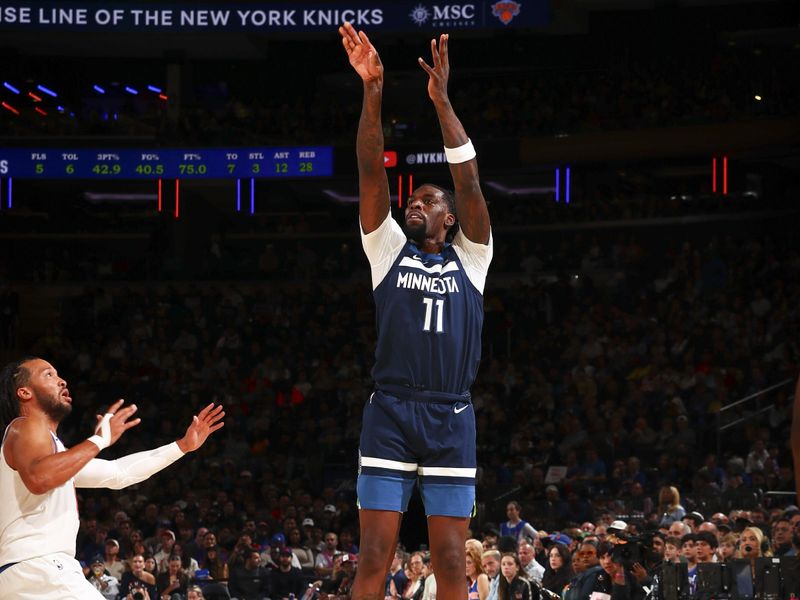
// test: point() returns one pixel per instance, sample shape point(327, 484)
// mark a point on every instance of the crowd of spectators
point(609, 356)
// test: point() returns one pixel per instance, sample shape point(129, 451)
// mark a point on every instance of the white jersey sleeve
point(382, 247)
point(475, 258)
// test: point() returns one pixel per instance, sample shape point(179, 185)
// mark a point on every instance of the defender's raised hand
point(362, 54)
point(439, 73)
point(116, 421)
point(203, 424)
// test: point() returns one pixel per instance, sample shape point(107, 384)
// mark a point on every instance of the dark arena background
point(179, 225)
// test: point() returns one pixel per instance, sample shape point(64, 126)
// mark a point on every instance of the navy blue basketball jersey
point(429, 310)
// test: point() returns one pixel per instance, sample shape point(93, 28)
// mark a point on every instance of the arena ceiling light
point(10, 87)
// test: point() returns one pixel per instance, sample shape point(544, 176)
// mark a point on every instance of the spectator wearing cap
point(693, 520)
point(271, 556)
point(558, 570)
point(165, 550)
point(106, 584)
point(307, 529)
point(516, 527)
point(286, 579)
point(323, 563)
point(669, 506)
point(250, 581)
point(617, 528)
point(342, 576)
point(111, 561)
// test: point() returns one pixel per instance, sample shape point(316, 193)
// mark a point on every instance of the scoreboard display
point(167, 163)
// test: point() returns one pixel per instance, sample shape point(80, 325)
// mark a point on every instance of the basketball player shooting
point(38, 476)
point(427, 278)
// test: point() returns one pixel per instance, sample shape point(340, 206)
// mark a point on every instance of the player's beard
point(55, 408)
point(416, 233)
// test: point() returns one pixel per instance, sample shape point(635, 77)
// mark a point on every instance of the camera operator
point(619, 572)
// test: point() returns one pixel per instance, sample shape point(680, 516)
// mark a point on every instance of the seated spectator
point(672, 549)
point(429, 589)
point(558, 571)
point(623, 583)
point(303, 553)
point(531, 570)
point(669, 506)
point(195, 592)
point(343, 576)
point(111, 561)
point(249, 581)
point(782, 538)
point(323, 564)
point(588, 573)
point(213, 563)
point(172, 583)
point(286, 579)
point(477, 580)
point(490, 561)
point(727, 547)
point(138, 581)
point(512, 585)
point(396, 579)
point(105, 583)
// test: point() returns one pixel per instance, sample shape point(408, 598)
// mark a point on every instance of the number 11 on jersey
point(429, 310)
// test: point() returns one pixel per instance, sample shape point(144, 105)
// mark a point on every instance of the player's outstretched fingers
point(115, 407)
point(443, 49)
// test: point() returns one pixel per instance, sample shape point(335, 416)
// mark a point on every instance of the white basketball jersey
point(33, 525)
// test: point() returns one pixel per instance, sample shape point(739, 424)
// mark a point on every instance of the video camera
point(629, 550)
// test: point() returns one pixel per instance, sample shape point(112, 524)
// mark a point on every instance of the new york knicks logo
point(506, 11)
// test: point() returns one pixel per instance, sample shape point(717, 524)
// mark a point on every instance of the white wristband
point(460, 154)
point(102, 435)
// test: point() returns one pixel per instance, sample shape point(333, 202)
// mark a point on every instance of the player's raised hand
point(362, 54)
point(206, 422)
point(116, 421)
point(439, 73)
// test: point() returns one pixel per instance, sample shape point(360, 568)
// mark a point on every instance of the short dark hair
point(707, 537)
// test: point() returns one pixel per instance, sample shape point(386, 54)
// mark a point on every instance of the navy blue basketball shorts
point(417, 436)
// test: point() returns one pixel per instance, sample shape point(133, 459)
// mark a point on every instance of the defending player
point(38, 476)
point(427, 280)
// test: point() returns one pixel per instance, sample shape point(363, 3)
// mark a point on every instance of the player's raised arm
point(473, 215)
point(29, 448)
point(373, 185)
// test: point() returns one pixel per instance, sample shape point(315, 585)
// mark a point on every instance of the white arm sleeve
point(125, 471)
point(382, 247)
